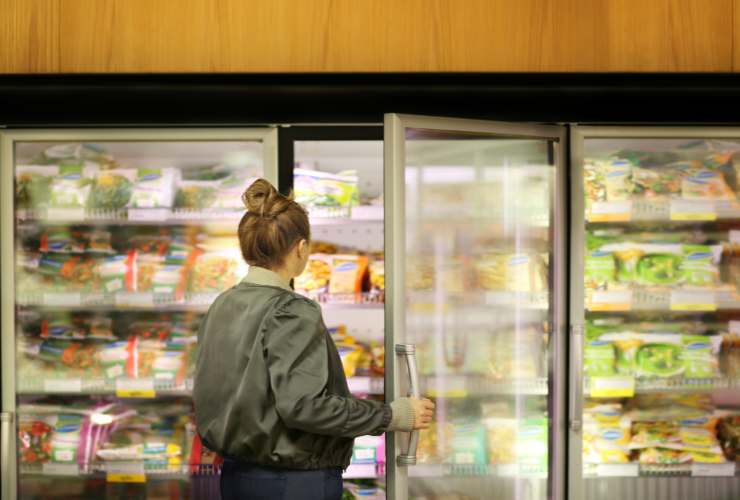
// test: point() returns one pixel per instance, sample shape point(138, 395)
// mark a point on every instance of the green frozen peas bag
point(699, 358)
point(659, 269)
point(599, 358)
point(659, 357)
point(600, 270)
point(699, 265)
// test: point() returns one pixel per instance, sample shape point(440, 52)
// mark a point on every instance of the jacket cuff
point(402, 415)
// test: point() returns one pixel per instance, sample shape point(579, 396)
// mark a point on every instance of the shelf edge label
point(135, 388)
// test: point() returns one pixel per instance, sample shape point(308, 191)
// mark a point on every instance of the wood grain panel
point(29, 36)
point(366, 35)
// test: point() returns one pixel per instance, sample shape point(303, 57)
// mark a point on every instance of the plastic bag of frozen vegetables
point(33, 185)
point(112, 189)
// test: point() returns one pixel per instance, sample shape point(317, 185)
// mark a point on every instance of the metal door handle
point(408, 351)
point(576, 378)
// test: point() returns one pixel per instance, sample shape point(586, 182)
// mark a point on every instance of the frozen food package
point(513, 272)
point(117, 272)
point(663, 456)
point(658, 434)
point(366, 448)
point(501, 437)
point(70, 188)
point(599, 358)
point(377, 275)
point(112, 189)
point(315, 278)
point(618, 180)
point(706, 184)
point(322, 189)
point(154, 188)
point(657, 182)
point(218, 266)
point(606, 433)
point(196, 195)
point(347, 274)
point(594, 178)
point(532, 444)
point(435, 443)
point(600, 270)
point(70, 272)
point(61, 240)
point(55, 438)
point(76, 154)
point(98, 241)
point(700, 265)
point(33, 185)
point(468, 445)
point(420, 274)
point(117, 359)
point(230, 189)
point(700, 356)
point(659, 355)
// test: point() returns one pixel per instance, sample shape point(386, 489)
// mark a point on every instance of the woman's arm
point(297, 360)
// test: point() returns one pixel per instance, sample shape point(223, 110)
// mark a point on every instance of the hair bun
point(261, 198)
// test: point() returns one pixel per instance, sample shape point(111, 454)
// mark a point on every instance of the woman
point(270, 392)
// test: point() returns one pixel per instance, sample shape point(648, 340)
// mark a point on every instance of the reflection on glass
point(120, 248)
point(478, 246)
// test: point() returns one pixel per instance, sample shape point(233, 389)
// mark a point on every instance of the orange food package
point(347, 273)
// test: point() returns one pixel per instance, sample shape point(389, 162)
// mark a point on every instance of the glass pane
point(661, 307)
point(340, 182)
point(120, 248)
point(478, 275)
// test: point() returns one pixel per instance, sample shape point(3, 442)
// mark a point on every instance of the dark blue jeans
point(242, 481)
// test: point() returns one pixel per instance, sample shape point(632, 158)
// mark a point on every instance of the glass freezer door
point(474, 315)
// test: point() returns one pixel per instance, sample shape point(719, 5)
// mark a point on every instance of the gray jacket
point(269, 384)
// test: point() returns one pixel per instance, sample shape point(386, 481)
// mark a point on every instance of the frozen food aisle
point(658, 349)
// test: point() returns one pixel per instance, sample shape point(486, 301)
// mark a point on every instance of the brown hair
point(272, 225)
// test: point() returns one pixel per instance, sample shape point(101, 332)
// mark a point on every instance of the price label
point(55, 469)
point(138, 299)
point(67, 299)
point(693, 301)
point(149, 214)
point(69, 385)
point(620, 300)
point(610, 211)
point(705, 470)
point(124, 477)
point(70, 214)
point(612, 387)
point(618, 470)
point(693, 210)
point(135, 388)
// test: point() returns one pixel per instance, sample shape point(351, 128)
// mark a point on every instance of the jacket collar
point(262, 276)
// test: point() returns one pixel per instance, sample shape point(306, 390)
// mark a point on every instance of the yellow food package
point(347, 273)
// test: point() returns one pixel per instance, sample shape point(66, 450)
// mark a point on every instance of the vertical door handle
point(408, 351)
point(576, 378)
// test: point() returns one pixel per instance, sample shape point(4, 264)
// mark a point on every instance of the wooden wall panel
point(29, 36)
point(366, 35)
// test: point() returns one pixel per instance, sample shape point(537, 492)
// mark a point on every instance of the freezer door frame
point(578, 135)
point(8, 138)
point(395, 244)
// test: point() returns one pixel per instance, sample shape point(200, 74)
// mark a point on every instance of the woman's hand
point(423, 412)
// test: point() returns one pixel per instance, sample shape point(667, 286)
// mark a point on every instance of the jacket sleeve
point(295, 344)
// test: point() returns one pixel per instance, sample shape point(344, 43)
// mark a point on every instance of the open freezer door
point(475, 239)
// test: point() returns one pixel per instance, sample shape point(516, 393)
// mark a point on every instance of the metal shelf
point(163, 472)
point(129, 217)
point(727, 469)
point(150, 388)
point(680, 385)
point(477, 470)
point(663, 210)
point(460, 386)
point(678, 300)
